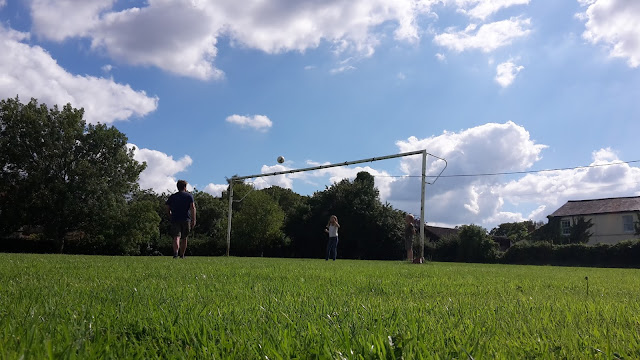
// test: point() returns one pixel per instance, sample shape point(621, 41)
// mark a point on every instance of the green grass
point(249, 308)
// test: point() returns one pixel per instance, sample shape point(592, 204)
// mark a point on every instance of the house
point(435, 233)
point(613, 219)
point(503, 242)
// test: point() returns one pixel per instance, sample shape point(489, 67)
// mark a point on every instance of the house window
point(627, 224)
point(565, 227)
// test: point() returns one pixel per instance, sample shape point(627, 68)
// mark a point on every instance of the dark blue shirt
point(180, 204)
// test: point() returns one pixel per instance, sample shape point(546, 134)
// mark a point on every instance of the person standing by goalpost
point(182, 211)
point(409, 232)
point(332, 244)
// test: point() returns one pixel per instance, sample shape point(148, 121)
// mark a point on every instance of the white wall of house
point(608, 228)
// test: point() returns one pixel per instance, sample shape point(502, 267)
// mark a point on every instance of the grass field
point(54, 306)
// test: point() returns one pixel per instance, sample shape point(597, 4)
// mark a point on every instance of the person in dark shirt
point(182, 212)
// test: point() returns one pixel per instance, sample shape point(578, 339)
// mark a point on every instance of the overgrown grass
point(246, 308)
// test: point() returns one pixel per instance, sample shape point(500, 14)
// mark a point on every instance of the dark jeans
point(332, 248)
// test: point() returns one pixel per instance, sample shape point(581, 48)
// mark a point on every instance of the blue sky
point(209, 89)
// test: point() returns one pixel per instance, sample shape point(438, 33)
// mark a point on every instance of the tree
point(59, 173)
point(212, 215)
point(475, 244)
point(211, 226)
point(257, 225)
point(129, 231)
point(549, 232)
point(515, 231)
point(369, 229)
point(286, 198)
point(580, 233)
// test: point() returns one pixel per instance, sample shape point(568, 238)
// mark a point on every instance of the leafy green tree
point(286, 198)
point(211, 225)
point(212, 215)
point(475, 245)
point(369, 229)
point(549, 232)
point(59, 173)
point(580, 233)
point(257, 225)
point(515, 231)
point(131, 230)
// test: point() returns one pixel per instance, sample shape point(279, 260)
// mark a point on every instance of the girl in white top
point(332, 244)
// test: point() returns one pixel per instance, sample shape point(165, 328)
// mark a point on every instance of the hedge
point(623, 254)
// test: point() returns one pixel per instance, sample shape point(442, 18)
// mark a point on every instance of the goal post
point(423, 183)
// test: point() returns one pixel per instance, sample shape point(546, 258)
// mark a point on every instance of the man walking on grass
point(182, 212)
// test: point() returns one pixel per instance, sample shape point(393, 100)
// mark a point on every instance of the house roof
point(439, 232)
point(598, 206)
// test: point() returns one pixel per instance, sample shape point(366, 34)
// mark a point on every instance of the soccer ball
point(280, 159)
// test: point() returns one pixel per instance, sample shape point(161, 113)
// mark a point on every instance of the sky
point(531, 103)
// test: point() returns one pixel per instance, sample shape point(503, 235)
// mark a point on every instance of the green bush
point(476, 245)
point(528, 253)
point(445, 249)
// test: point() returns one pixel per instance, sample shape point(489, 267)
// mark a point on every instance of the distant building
point(435, 233)
point(503, 242)
point(613, 219)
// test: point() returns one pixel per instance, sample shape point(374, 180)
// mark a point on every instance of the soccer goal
point(423, 183)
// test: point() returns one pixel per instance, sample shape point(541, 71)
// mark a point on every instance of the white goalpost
point(423, 183)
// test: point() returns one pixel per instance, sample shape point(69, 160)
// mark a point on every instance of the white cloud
point(169, 35)
point(161, 169)
point(481, 9)
point(3, 3)
point(276, 26)
point(491, 200)
point(285, 181)
point(484, 200)
point(487, 38)
point(606, 177)
point(616, 24)
point(342, 69)
point(488, 148)
point(441, 57)
point(29, 71)
point(506, 73)
point(216, 189)
point(80, 17)
point(107, 68)
point(383, 180)
point(182, 39)
point(258, 122)
point(477, 150)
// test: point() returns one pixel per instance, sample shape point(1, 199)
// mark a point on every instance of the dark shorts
point(181, 229)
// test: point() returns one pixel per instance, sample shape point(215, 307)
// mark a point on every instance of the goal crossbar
point(423, 182)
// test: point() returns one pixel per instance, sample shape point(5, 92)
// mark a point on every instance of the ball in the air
point(280, 159)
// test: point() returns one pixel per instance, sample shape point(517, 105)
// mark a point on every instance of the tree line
point(71, 187)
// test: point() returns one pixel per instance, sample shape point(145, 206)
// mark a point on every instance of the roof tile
point(598, 206)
